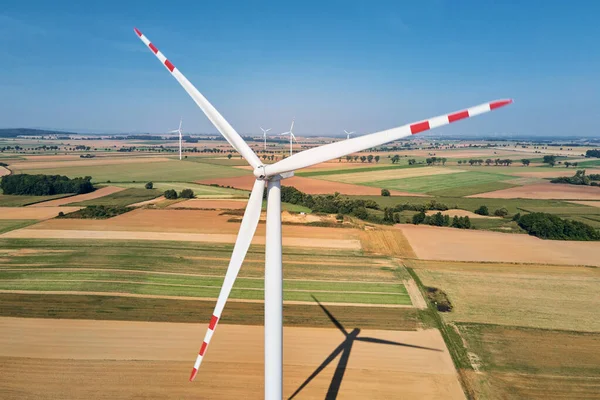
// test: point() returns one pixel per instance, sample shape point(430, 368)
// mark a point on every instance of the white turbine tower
point(264, 131)
point(348, 134)
point(270, 175)
point(292, 137)
point(179, 131)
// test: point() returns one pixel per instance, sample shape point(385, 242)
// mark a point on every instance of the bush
point(187, 194)
point(170, 194)
point(516, 217)
point(418, 218)
point(483, 210)
point(439, 298)
point(96, 212)
point(501, 212)
point(385, 192)
point(548, 226)
point(149, 185)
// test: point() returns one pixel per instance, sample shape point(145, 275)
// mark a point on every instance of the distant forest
point(14, 132)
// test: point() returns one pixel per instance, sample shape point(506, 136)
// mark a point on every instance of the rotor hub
point(259, 172)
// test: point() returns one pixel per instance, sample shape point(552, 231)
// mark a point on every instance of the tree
point(418, 218)
point(550, 160)
point(567, 164)
point(501, 212)
point(412, 161)
point(149, 185)
point(395, 159)
point(525, 162)
point(459, 162)
point(483, 210)
point(348, 158)
point(370, 158)
point(385, 192)
point(170, 194)
point(444, 161)
point(355, 158)
point(377, 159)
point(363, 159)
point(429, 161)
point(488, 162)
point(187, 194)
point(229, 156)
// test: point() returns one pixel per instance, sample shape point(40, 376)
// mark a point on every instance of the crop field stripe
point(355, 170)
point(135, 271)
point(192, 286)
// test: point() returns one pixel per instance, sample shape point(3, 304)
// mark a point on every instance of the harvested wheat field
point(156, 200)
point(117, 359)
point(33, 213)
point(208, 204)
point(105, 191)
point(306, 185)
point(459, 213)
point(85, 163)
point(4, 171)
point(189, 221)
point(436, 243)
point(545, 191)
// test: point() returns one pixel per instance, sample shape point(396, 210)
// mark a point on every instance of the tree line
point(580, 178)
point(44, 185)
point(548, 226)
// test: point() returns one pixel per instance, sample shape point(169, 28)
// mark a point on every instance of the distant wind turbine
point(179, 131)
point(348, 134)
point(292, 137)
point(264, 131)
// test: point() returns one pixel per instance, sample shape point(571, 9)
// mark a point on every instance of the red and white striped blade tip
point(500, 103)
point(137, 31)
point(193, 375)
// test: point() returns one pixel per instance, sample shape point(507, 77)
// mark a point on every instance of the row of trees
point(97, 212)
point(548, 226)
point(489, 162)
point(593, 153)
point(434, 161)
point(438, 219)
point(184, 194)
point(483, 210)
point(44, 185)
point(368, 158)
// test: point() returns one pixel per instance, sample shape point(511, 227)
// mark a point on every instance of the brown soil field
point(545, 191)
point(105, 191)
point(307, 185)
point(387, 174)
point(587, 203)
point(190, 221)
point(211, 204)
point(459, 213)
point(33, 213)
point(179, 237)
point(4, 171)
point(95, 359)
point(85, 163)
point(436, 243)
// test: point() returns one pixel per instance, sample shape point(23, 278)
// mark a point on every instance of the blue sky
point(363, 66)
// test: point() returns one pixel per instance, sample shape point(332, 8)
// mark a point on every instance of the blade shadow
point(344, 348)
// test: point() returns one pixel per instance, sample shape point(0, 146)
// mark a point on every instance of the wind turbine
point(348, 134)
point(270, 175)
point(264, 131)
point(291, 133)
point(179, 131)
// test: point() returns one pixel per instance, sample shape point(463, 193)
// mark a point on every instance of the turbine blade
point(234, 139)
point(292, 127)
point(247, 230)
point(338, 149)
point(382, 341)
point(337, 323)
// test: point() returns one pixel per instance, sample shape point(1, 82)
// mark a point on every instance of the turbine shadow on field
point(344, 349)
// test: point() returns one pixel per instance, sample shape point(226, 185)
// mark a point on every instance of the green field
point(588, 164)
point(366, 168)
point(20, 201)
point(461, 184)
point(12, 224)
point(200, 191)
point(167, 171)
point(196, 270)
point(122, 198)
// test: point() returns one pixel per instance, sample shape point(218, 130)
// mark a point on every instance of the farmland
point(523, 322)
